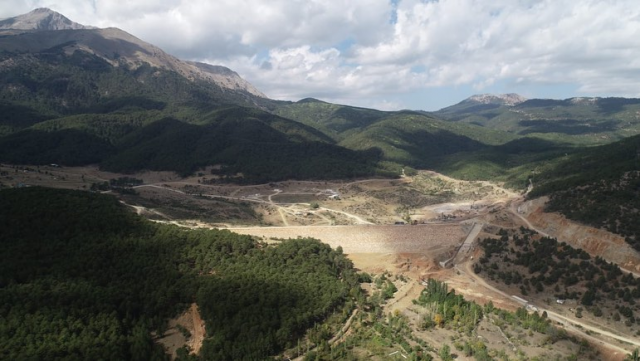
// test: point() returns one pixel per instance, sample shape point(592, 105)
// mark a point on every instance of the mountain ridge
point(43, 29)
point(112, 86)
point(509, 99)
point(577, 120)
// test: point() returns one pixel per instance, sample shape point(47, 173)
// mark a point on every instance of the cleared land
point(433, 239)
point(336, 213)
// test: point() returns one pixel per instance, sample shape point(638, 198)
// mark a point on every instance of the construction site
point(419, 227)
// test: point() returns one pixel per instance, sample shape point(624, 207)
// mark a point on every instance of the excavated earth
point(597, 242)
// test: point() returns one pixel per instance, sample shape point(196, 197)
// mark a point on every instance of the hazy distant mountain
point(41, 19)
point(501, 99)
point(404, 137)
point(576, 120)
point(482, 102)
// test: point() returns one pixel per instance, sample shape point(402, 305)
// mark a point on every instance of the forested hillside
point(83, 278)
point(542, 265)
point(79, 109)
point(405, 138)
point(599, 186)
point(584, 121)
point(339, 121)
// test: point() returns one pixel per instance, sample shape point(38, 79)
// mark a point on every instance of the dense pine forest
point(81, 277)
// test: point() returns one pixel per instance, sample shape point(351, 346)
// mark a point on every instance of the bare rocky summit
point(501, 99)
point(584, 100)
point(41, 19)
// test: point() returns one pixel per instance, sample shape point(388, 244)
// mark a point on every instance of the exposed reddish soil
point(410, 251)
point(597, 242)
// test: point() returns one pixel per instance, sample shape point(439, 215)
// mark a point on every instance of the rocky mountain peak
point(501, 99)
point(222, 76)
point(115, 46)
point(583, 100)
point(41, 19)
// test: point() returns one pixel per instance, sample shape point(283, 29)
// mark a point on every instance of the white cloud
point(365, 51)
point(594, 44)
point(224, 28)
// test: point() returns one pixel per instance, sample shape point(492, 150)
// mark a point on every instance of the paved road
point(160, 187)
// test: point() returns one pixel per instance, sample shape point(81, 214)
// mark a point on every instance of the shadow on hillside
point(609, 106)
point(20, 116)
point(425, 147)
point(566, 126)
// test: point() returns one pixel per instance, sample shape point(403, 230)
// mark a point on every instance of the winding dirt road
point(569, 324)
point(514, 211)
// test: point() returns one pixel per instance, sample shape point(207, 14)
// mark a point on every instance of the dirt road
point(338, 337)
point(570, 324)
point(514, 211)
point(513, 208)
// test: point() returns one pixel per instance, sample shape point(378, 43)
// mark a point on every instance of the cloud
point(366, 51)
point(226, 28)
point(592, 44)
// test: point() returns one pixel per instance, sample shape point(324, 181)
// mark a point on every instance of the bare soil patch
point(185, 330)
point(410, 251)
point(597, 242)
point(433, 239)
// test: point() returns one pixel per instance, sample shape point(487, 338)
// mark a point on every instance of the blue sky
point(390, 54)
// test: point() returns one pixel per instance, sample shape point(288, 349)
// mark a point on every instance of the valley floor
point(405, 227)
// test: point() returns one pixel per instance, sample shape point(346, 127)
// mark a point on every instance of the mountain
point(102, 96)
point(402, 137)
point(336, 120)
point(40, 19)
point(86, 96)
point(479, 103)
point(585, 121)
point(116, 47)
point(500, 99)
point(220, 75)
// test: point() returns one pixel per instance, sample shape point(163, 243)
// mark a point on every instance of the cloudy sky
point(389, 54)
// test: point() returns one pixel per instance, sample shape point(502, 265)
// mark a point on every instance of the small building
point(560, 301)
